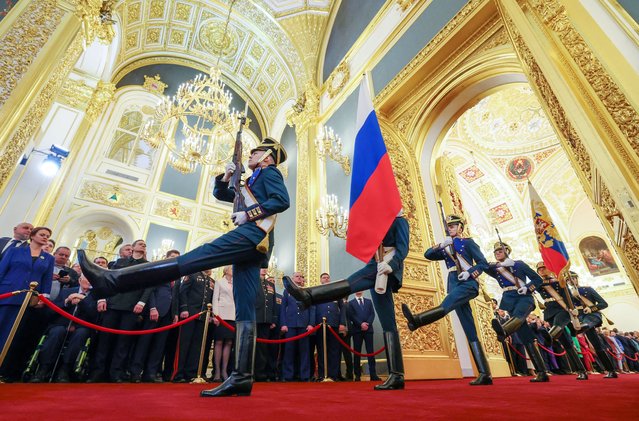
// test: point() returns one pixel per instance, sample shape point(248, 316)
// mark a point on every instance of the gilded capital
point(97, 21)
point(102, 95)
point(306, 110)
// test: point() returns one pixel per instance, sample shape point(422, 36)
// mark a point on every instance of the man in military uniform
point(395, 245)
point(266, 321)
point(245, 247)
point(465, 262)
point(590, 318)
point(557, 315)
point(335, 318)
point(518, 301)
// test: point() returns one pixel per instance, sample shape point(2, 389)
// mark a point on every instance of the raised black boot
point(538, 363)
point(395, 380)
point(503, 331)
point(240, 382)
point(416, 321)
point(317, 294)
point(607, 363)
point(481, 362)
point(106, 283)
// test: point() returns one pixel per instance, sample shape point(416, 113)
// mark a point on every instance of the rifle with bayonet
point(236, 178)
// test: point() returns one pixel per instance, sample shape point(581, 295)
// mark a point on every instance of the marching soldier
point(245, 247)
point(396, 245)
point(558, 316)
point(517, 300)
point(465, 262)
point(590, 317)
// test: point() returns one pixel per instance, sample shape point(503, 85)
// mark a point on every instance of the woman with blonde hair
point(223, 306)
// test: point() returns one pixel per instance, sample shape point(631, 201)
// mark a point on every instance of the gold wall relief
point(33, 119)
point(112, 195)
point(101, 97)
point(75, 93)
point(425, 339)
point(483, 318)
point(24, 41)
point(172, 209)
point(554, 16)
point(338, 79)
point(216, 221)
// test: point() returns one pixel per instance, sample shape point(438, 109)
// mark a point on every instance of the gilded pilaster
point(580, 150)
point(304, 116)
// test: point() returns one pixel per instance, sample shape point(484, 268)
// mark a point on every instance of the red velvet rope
point(561, 354)
point(630, 358)
point(63, 313)
point(518, 353)
point(271, 341)
point(344, 344)
point(613, 355)
point(12, 293)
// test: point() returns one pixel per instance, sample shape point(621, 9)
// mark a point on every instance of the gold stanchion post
point(326, 378)
point(199, 379)
point(16, 323)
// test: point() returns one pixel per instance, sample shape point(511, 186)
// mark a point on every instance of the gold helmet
point(273, 148)
point(541, 265)
point(499, 246)
point(454, 219)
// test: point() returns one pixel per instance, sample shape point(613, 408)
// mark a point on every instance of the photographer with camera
point(63, 275)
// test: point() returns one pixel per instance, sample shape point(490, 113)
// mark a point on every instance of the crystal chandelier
point(200, 112)
point(328, 143)
point(331, 217)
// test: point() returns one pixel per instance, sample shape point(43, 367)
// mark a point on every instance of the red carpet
point(510, 398)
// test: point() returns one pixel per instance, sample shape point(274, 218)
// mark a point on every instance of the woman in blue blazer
point(19, 267)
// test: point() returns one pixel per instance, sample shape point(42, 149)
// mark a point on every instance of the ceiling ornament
point(154, 84)
point(519, 168)
point(500, 214)
point(471, 174)
point(218, 39)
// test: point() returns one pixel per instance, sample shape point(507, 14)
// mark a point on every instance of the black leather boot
point(481, 362)
point(555, 332)
point(240, 382)
point(41, 375)
point(538, 363)
point(608, 364)
point(395, 380)
point(575, 362)
point(416, 321)
point(106, 283)
point(317, 294)
point(503, 331)
point(63, 375)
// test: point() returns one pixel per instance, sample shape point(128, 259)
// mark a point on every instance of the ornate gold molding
point(554, 16)
point(24, 41)
point(216, 221)
point(338, 79)
point(75, 93)
point(112, 195)
point(95, 16)
point(33, 118)
point(102, 96)
point(154, 84)
point(173, 209)
point(426, 339)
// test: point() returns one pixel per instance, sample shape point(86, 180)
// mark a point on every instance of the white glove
point(239, 218)
point(523, 290)
point(464, 276)
point(229, 168)
point(384, 268)
point(587, 310)
point(447, 242)
point(507, 263)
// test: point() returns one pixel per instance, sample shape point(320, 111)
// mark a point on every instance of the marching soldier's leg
point(386, 311)
point(230, 248)
point(511, 325)
point(528, 338)
point(605, 359)
point(245, 285)
point(573, 358)
point(317, 294)
point(465, 314)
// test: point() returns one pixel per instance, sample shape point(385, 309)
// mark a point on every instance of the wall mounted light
point(52, 161)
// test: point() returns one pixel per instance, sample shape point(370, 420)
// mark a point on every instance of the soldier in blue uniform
point(557, 315)
point(335, 318)
point(518, 301)
point(465, 262)
point(590, 317)
point(295, 319)
point(244, 247)
point(396, 245)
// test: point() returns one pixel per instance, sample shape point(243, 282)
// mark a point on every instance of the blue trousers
point(459, 295)
point(332, 353)
point(236, 249)
point(54, 342)
point(365, 279)
point(367, 339)
point(519, 306)
point(302, 345)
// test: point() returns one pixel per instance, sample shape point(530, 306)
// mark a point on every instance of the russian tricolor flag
point(375, 200)
point(553, 250)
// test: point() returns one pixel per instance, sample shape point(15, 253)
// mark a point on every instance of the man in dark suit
point(361, 316)
point(335, 318)
point(195, 293)
point(171, 346)
point(122, 311)
point(149, 349)
point(295, 320)
point(265, 318)
point(81, 304)
point(345, 353)
point(124, 252)
point(275, 350)
point(63, 275)
point(21, 233)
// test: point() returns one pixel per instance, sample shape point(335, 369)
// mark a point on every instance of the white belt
point(549, 300)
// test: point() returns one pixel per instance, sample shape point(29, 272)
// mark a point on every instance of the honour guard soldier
point(396, 243)
point(465, 262)
point(557, 315)
point(590, 317)
point(518, 301)
point(245, 248)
